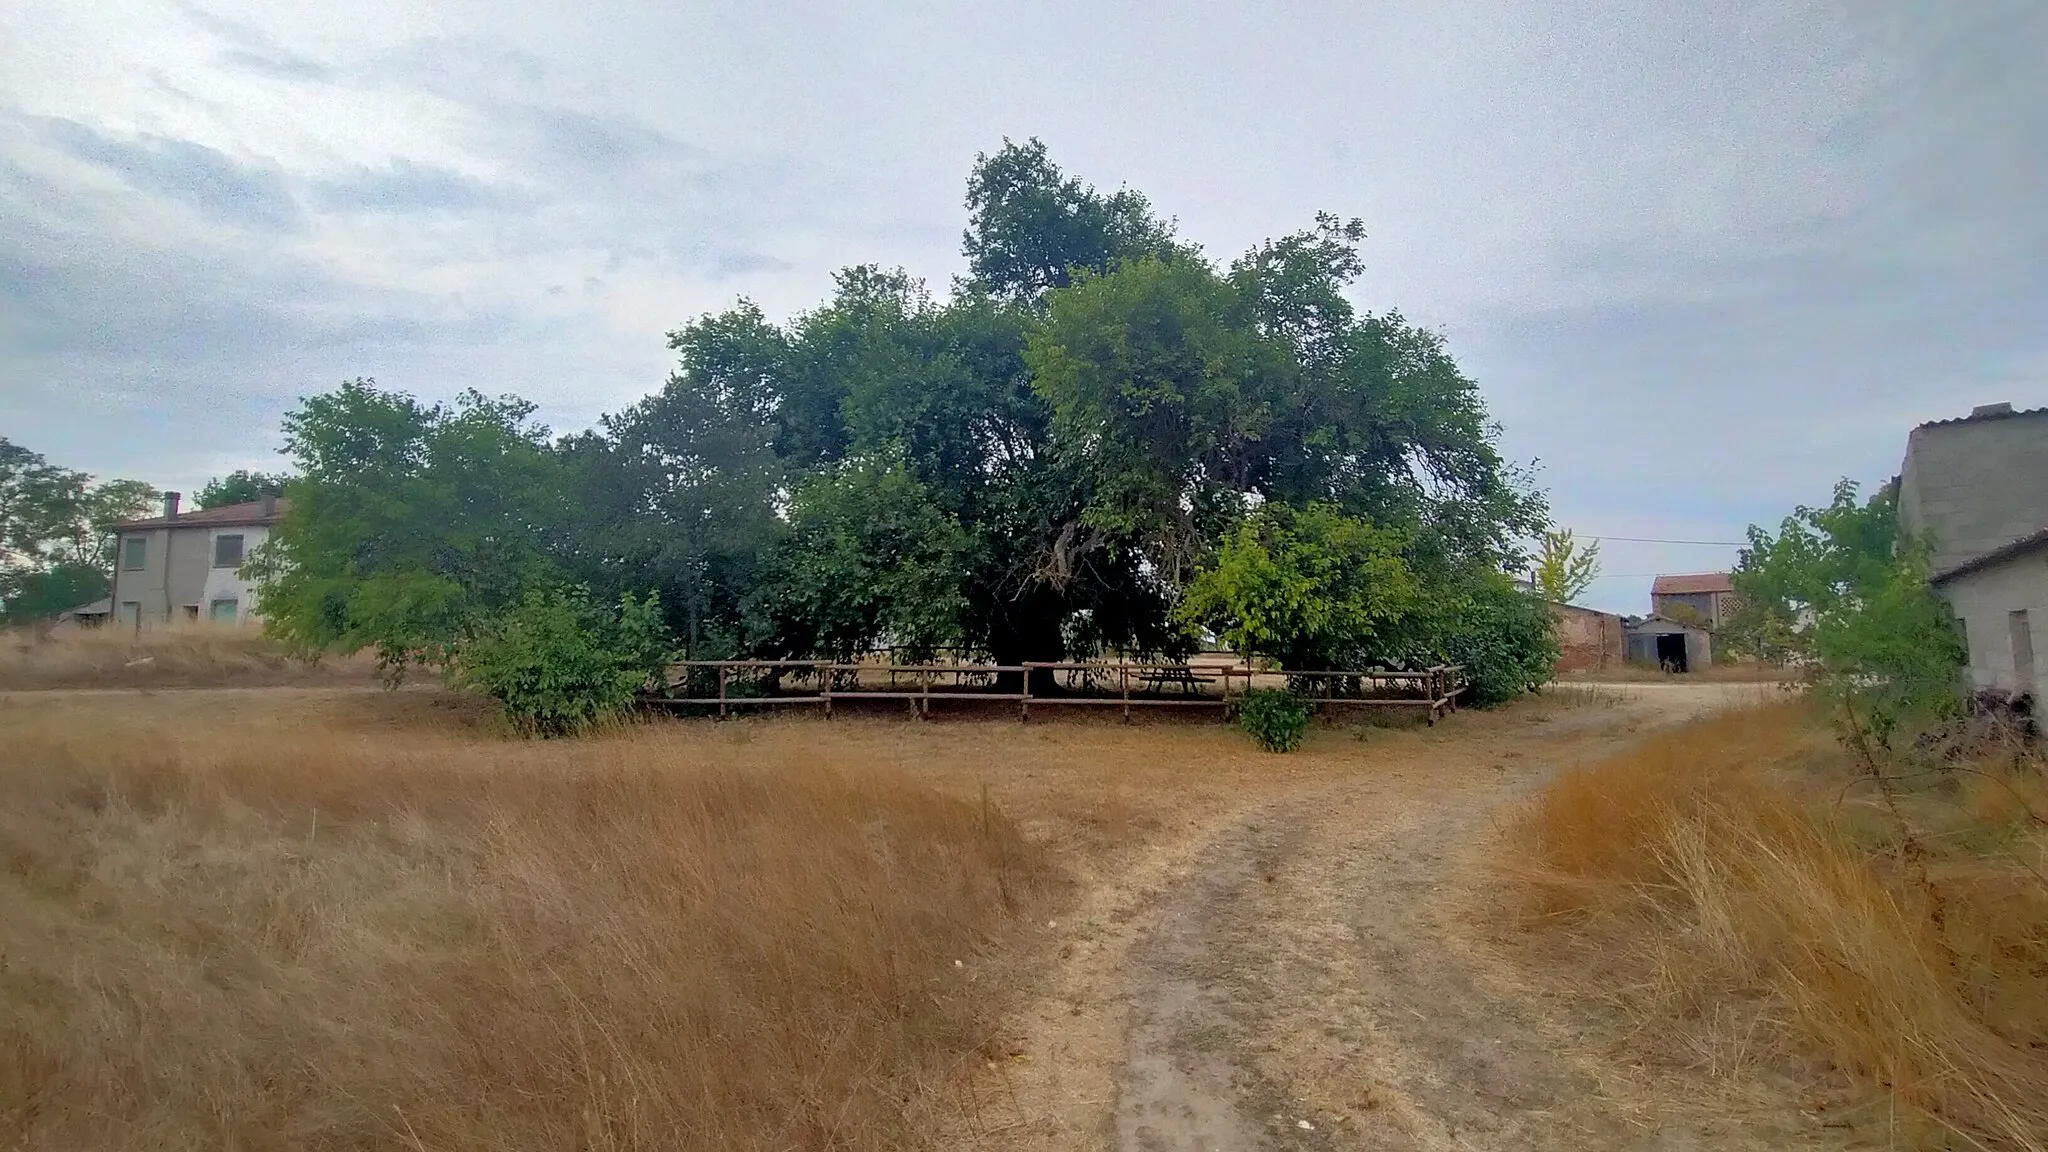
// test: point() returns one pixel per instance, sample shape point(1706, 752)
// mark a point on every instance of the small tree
point(557, 663)
point(1564, 568)
point(1839, 591)
point(1311, 587)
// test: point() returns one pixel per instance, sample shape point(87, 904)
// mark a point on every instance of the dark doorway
point(1671, 652)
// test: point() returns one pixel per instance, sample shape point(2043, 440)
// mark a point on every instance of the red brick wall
point(1589, 640)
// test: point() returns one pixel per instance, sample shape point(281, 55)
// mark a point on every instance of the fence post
point(825, 672)
point(1024, 704)
point(721, 691)
point(1123, 672)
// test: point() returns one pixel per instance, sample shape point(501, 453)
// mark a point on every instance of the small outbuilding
point(1673, 645)
point(1588, 640)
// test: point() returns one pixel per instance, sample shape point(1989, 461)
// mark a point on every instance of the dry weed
point(1733, 880)
point(284, 935)
point(192, 655)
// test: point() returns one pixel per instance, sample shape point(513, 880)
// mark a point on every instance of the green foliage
point(241, 487)
point(1030, 226)
point(1031, 465)
point(1564, 570)
point(1841, 593)
point(557, 663)
point(1498, 630)
point(411, 523)
point(869, 559)
point(57, 532)
point(1275, 717)
point(1313, 588)
point(44, 593)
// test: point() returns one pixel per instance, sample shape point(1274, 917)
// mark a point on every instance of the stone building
point(1975, 489)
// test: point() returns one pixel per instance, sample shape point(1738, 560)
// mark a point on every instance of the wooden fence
point(772, 683)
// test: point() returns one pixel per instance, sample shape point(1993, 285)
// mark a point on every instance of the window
point(134, 553)
point(2022, 650)
point(221, 611)
point(227, 551)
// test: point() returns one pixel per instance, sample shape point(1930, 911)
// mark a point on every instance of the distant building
point(186, 565)
point(1705, 598)
point(1587, 639)
point(1975, 489)
point(1673, 645)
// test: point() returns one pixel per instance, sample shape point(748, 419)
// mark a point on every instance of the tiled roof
point(2023, 544)
point(252, 512)
point(1691, 585)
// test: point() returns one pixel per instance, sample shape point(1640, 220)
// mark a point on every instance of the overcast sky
point(1703, 258)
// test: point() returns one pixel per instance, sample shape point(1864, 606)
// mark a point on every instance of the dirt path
point(1306, 974)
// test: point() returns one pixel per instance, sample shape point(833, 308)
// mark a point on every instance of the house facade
point(1705, 598)
point(1975, 490)
point(185, 566)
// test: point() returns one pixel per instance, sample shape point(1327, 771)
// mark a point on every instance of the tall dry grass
point(308, 936)
point(185, 655)
point(1736, 887)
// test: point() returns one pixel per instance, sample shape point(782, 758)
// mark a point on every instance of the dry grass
point(286, 923)
point(1730, 672)
point(1754, 904)
point(197, 655)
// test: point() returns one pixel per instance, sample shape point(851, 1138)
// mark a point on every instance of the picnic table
point(1180, 676)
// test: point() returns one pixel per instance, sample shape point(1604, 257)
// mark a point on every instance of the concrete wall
point(223, 585)
point(1985, 600)
point(1708, 605)
point(177, 580)
point(1975, 485)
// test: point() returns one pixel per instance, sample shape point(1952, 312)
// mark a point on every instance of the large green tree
point(410, 522)
point(1040, 462)
point(57, 532)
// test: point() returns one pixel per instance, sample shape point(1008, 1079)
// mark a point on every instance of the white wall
point(1984, 600)
point(223, 583)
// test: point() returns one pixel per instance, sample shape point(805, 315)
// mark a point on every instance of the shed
point(1672, 645)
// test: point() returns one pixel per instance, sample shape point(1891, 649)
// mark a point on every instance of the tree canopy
point(240, 487)
point(56, 532)
point(1098, 439)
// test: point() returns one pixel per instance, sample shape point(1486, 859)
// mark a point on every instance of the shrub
point(1276, 719)
point(556, 663)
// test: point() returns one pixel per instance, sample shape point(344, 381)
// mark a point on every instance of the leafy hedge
point(556, 663)
point(1274, 717)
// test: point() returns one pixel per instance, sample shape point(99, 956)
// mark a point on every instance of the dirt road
point(1309, 972)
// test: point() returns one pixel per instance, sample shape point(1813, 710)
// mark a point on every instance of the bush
point(556, 663)
point(1276, 719)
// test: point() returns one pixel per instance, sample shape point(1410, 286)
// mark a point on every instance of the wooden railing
point(1125, 685)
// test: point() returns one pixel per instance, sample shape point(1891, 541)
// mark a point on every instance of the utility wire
point(1650, 540)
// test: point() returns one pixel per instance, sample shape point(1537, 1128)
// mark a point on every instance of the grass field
point(1746, 896)
point(196, 655)
point(324, 919)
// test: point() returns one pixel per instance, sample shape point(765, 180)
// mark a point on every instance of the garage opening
point(1671, 653)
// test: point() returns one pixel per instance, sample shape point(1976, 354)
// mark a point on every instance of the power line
point(1651, 540)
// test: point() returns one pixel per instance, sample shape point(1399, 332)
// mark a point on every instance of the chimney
point(2002, 408)
point(269, 504)
point(171, 505)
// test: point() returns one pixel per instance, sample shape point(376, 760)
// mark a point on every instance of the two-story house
point(187, 565)
point(1705, 599)
point(1975, 491)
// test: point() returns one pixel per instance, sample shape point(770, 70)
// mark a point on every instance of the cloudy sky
point(1704, 258)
